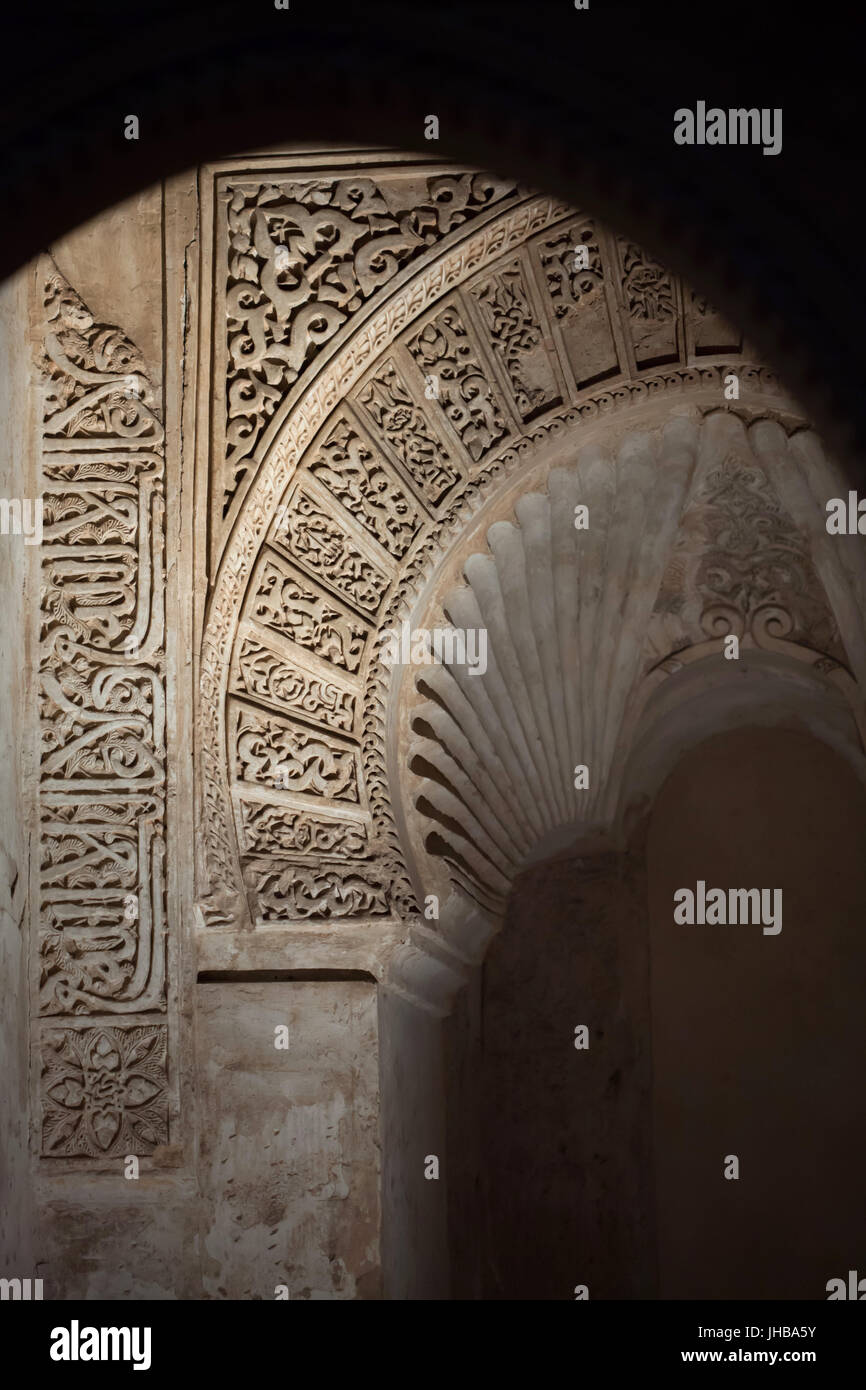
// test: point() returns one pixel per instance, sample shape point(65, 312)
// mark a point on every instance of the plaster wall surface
point(758, 1040)
point(288, 1142)
point(412, 1087)
point(564, 1186)
point(17, 561)
point(113, 1237)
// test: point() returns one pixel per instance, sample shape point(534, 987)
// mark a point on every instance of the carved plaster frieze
point(102, 713)
point(304, 255)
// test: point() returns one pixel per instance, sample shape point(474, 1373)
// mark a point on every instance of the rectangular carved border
point(101, 939)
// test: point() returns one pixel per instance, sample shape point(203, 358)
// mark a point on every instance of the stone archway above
point(467, 342)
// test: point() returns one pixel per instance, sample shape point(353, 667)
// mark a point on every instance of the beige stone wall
point(288, 1142)
point(18, 581)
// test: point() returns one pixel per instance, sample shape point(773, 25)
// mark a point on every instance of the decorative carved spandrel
point(325, 384)
point(740, 566)
point(96, 384)
point(303, 257)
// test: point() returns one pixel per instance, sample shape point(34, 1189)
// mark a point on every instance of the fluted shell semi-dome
point(634, 552)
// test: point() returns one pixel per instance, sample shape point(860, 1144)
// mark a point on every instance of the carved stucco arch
point(362, 486)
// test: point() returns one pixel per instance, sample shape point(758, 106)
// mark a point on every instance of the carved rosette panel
point(104, 1091)
point(101, 940)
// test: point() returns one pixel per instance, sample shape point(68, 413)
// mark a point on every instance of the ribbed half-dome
point(565, 610)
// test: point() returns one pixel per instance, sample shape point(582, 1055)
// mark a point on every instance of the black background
point(579, 103)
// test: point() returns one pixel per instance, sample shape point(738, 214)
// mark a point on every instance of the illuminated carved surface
point(388, 385)
point(382, 356)
point(414, 356)
point(305, 256)
point(102, 714)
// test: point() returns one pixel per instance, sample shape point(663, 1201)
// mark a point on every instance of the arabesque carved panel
point(102, 711)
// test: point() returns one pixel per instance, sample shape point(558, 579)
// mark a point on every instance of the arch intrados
point(702, 699)
point(706, 695)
